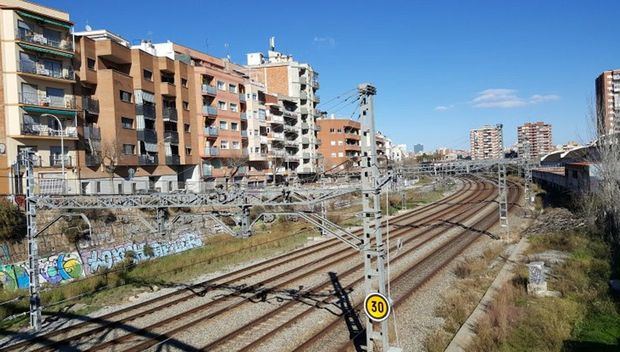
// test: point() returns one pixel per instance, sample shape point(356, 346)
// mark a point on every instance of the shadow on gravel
point(107, 327)
point(357, 333)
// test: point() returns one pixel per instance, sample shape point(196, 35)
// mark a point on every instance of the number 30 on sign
point(377, 307)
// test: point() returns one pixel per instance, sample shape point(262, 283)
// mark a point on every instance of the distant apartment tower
point(39, 108)
point(418, 148)
point(539, 137)
point(296, 86)
point(486, 142)
point(608, 102)
point(138, 131)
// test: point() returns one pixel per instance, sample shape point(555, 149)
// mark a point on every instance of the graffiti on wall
point(98, 259)
point(54, 270)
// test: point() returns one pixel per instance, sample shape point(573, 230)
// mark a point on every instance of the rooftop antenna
point(272, 43)
point(227, 46)
point(88, 28)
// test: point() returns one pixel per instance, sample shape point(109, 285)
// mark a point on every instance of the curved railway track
point(147, 336)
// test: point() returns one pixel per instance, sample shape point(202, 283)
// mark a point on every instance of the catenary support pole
point(503, 200)
point(27, 158)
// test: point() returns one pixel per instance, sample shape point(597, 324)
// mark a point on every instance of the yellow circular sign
point(377, 307)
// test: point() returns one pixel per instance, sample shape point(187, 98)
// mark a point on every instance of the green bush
point(12, 222)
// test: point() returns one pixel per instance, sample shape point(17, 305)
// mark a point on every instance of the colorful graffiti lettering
point(54, 270)
point(13, 276)
point(107, 258)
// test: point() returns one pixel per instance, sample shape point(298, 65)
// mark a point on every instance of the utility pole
point(26, 157)
point(527, 173)
point(374, 252)
point(503, 199)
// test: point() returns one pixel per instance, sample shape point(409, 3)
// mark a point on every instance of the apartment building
point(538, 136)
point(138, 132)
point(221, 116)
point(487, 142)
point(608, 102)
point(296, 85)
point(340, 145)
point(39, 107)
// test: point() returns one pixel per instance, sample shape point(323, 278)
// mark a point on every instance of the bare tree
point(276, 164)
point(234, 165)
point(110, 158)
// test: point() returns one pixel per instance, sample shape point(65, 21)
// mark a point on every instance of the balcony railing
point(171, 137)
point(173, 160)
point(210, 151)
point(305, 155)
point(243, 116)
point(244, 134)
point(37, 68)
point(209, 110)
point(147, 135)
point(242, 97)
point(32, 98)
point(57, 160)
point(35, 129)
point(93, 160)
point(303, 110)
point(148, 111)
point(315, 84)
point(170, 114)
point(303, 80)
point(146, 159)
point(209, 89)
point(277, 119)
point(304, 126)
point(289, 114)
point(289, 128)
point(207, 170)
point(305, 140)
point(92, 132)
point(317, 98)
point(211, 131)
point(91, 105)
point(40, 39)
point(303, 95)
point(277, 135)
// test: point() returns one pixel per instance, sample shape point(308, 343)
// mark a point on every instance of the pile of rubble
point(555, 220)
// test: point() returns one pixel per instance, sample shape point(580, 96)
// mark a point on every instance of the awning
point(45, 50)
point(45, 110)
point(43, 19)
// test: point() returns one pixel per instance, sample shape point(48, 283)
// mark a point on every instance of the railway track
point(71, 336)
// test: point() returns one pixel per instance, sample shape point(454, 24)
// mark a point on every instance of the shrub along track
point(70, 336)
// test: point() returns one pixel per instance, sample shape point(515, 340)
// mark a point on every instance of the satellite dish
point(131, 172)
point(88, 28)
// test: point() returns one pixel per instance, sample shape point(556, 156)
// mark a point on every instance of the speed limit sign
point(377, 307)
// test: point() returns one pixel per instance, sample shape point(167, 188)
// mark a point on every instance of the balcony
point(303, 80)
point(303, 95)
point(244, 134)
point(209, 90)
point(28, 36)
point(292, 129)
point(304, 126)
point(207, 170)
point(170, 114)
point(173, 160)
point(92, 132)
point(209, 110)
point(57, 161)
point(168, 88)
point(242, 97)
point(91, 105)
point(147, 135)
point(93, 160)
point(148, 111)
point(242, 170)
point(290, 114)
point(305, 140)
point(277, 119)
point(317, 128)
point(210, 151)
point(171, 137)
point(43, 130)
point(317, 99)
point(305, 155)
point(40, 99)
point(211, 131)
point(243, 116)
point(37, 68)
point(291, 144)
point(315, 84)
point(277, 135)
point(146, 159)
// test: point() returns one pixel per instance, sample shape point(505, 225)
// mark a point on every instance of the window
point(185, 105)
point(221, 105)
point(125, 96)
point(148, 75)
point(90, 63)
point(234, 126)
point(223, 125)
point(186, 127)
point(333, 155)
point(221, 85)
point(232, 88)
point(127, 122)
point(254, 96)
point(233, 107)
point(184, 82)
point(188, 151)
point(331, 130)
point(98, 186)
point(340, 143)
point(55, 96)
point(339, 130)
point(333, 142)
point(341, 154)
point(129, 149)
point(235, 145)
point(224, 144)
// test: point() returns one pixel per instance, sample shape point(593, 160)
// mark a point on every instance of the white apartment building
point(487, 142)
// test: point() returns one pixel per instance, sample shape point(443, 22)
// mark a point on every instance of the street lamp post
point(62, 149)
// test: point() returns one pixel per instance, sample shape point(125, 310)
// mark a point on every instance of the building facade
point(340, 145)
point(539, 137)
point(608, 102)
point(487, 142)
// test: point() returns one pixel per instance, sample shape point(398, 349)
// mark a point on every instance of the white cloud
point(508, 98)
point(443, 107)
point(327, 41)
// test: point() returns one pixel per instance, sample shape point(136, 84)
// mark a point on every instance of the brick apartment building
point(539, 137)
point(486, 142)
point(608, 102)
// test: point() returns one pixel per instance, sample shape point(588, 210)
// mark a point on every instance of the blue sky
point(440, 67)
